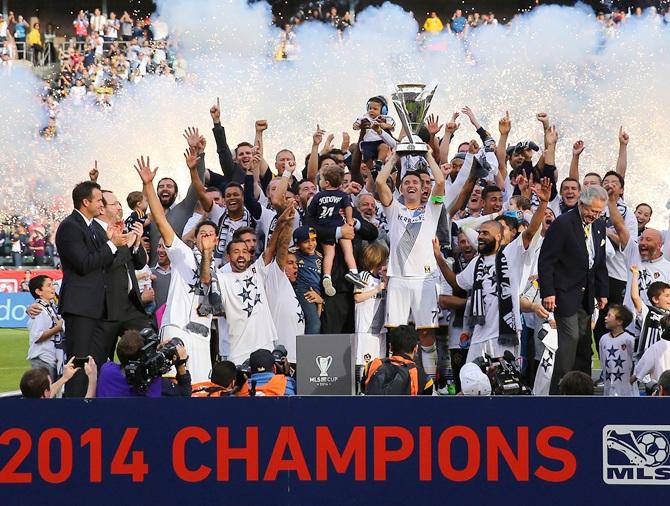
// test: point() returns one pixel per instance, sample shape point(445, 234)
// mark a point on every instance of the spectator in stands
point(3, 29)
point(433, 24)
point(126, 26)
point(36, 245)
point(34, 42)
point(458, 24)
point(80, 28)
point(37, 384)
point(21, 28)
point(98, 22)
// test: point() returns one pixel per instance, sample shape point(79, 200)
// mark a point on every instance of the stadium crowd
point(471, 250)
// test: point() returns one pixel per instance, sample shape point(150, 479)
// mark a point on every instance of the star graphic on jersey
point(550, 353)
point(192, 288)
point(258, 299)
point(617, 376)
point(546, 363)
point(618, 362)
point(611, 352)
point(248, 309)
point(245, 294)
point(249, 281)
point(301, 317)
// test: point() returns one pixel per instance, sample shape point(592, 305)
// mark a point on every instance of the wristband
point(437, 199)
point(181, 361)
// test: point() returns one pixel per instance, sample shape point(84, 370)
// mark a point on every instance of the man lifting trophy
point(412, 102)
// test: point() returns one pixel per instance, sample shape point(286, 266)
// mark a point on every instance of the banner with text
point(335, 450)
point(13, 309)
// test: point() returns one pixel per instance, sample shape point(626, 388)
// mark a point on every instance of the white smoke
point(548, 60)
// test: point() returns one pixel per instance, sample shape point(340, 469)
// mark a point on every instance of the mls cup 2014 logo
point(636, 454)
point(323, 363)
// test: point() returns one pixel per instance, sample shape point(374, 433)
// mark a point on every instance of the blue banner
point(13, 309)
point(335, 450)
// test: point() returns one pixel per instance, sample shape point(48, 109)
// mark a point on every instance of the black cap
point(261, 361)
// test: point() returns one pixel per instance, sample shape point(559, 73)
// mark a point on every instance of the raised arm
point(434, 127)
point(577, 149)
point(438, 176)
point(192, 161)
point(504, 127)
point(449, 131)
point(147, 175)
point(543, 194)
point(261, 126)
point(313, 162)
point(622, 160)
point(208, 243)
point(384, 192)
point(444, 267)
point(635, 289)
point(280, 239)
point(617, 220)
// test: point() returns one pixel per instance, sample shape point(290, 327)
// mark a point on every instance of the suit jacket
point(84, 263)
point(563, 267)
point(116, 281)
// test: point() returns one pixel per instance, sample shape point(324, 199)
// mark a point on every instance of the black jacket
point(563, 267)
point(84, 263)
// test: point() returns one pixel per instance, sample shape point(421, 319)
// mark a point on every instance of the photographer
point(131, 349)
point(269, 375)
point(224, 381)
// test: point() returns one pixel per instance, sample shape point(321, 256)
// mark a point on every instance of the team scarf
point(564, 208)
point(651, 329)
point(58, 339)
point(507, 331)
point(210, 293)
point(226, 231)
point(460, 263)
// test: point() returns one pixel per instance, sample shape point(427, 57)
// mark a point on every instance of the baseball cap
point(303, 233)
point(261, 361)
point(474, 381)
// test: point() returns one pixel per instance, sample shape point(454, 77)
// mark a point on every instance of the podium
point(326, 364)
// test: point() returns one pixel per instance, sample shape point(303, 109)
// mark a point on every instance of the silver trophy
point(412, 102)
point(323, 363)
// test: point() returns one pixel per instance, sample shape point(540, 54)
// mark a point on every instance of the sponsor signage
point(334, 450)
point(13, 309)
point(10, 280)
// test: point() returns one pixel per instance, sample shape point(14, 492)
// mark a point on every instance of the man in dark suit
point(123, 301)
point(85, 255)
point(572, 274)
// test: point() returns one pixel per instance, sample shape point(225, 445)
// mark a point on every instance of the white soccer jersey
point(656, 270)
point(285, 309)
point(411, 233)
point(370, 314)
point(616, 357)
point(250, 324)
point(616, 263)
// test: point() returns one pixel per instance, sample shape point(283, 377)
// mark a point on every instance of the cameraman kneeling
point(266, 378)
point(113, 382)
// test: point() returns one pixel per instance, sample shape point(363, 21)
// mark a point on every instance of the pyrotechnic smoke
point(553, 59)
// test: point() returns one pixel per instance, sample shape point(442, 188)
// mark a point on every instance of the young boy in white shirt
point(377, 139)
point(616, 352)
point(45, 331)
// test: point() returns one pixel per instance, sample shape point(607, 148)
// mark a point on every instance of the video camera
point(504, 374)
point(152, 361)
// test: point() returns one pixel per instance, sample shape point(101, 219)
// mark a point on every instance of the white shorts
point(197, 346)
point(416, 295)
point(490, 347)
point(369, 347)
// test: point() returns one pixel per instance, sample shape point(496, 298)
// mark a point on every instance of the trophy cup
point(323, 363)
point(412, 102)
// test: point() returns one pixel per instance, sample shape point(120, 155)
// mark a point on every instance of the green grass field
point(14, 346)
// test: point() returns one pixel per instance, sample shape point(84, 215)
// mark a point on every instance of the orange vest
point(208, 389)
point(397, 359)
point(273, 388)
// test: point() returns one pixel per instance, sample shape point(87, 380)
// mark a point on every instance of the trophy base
point(407, 146)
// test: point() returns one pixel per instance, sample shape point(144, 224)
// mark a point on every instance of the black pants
point(83, 337)
point(574, 346)
point(338, 314)
point(615, 296)
point(113, 329)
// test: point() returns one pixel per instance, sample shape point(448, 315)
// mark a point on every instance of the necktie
point(587, 231)
point(91, 229)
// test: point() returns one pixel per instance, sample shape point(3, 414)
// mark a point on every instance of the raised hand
point(94, 172)
point(215, 111)
point(543, 118)
point(505, 124)
point(202, 142)
point(261, 125)
point(191, 158)
point(144, 170)
point(317, 137)
point(137, 231)
point(452, 126)
point(328, 146)
point(208, 243)
point(116, 235)
point(192, 136)
point(289, 213)
point(474, 147)
point(471, 115)
point(544, 191)
point(577, 148)
point(346, 141)
point(433, 125)
point(551, 135)
point(623, 136)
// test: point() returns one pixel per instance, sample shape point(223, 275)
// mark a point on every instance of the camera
point(280, 354)
point(152, 361)
point(504, 374)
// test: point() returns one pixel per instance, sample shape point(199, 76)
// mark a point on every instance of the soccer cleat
point(328, 287)
point(355, 279)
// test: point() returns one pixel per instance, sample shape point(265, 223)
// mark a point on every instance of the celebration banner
point(335, 450)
